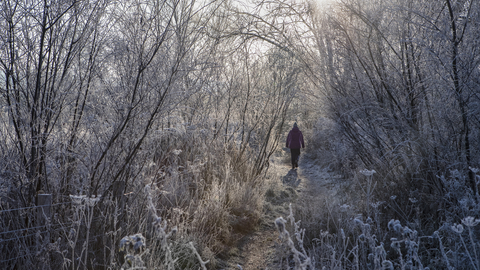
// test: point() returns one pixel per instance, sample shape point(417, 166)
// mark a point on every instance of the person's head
point(295, 125)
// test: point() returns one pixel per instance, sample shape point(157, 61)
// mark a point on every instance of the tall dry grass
point(194, 197)
point(368, 224)
point(202, 188)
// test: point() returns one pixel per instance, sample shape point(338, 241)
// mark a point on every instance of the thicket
point(353, 229)
point(150, 124)
point(147, 125)
point(400, 97)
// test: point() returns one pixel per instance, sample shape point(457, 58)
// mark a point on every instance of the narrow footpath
point(260, 249)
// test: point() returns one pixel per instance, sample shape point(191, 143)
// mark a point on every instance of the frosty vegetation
point(137, 134)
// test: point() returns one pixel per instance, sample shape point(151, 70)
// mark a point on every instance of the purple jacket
point(295, 139)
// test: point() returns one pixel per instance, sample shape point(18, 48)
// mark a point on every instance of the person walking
point(295, 142)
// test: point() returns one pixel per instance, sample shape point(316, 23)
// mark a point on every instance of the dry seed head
point(470, 221)
point(358, 222)
point(77, 199)
point(458, 228)
point(387, 264)
point(395, 244)
point(344, 207)
point(367, 172)
point(361, 237)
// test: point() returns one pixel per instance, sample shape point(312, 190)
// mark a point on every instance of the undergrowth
point(194, 198)
point(343, 234)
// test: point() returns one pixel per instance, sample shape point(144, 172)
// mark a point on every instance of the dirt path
point(259, 250)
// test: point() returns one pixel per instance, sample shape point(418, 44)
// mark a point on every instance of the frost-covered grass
point(192, 200)
point(135, 249)
point(199, 196)
point(342, 232)
point(370, 220)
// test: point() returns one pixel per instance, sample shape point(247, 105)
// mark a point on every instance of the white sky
point(323, 2)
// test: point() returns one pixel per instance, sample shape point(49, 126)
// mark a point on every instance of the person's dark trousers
point(295, 154)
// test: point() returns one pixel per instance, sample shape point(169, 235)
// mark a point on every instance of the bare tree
point(39, 48)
